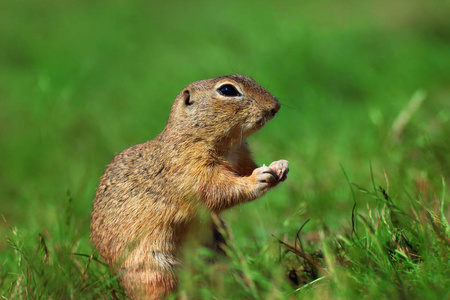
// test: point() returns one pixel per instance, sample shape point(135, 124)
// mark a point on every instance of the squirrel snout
point(275, 108)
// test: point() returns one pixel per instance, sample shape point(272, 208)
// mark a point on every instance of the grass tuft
point(54, 268)
point(393, 253)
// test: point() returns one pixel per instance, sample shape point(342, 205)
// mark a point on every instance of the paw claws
point(270, 176)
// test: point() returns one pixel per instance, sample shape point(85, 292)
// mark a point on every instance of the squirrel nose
point(275, 108)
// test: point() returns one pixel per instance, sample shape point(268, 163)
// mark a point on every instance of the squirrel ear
point(187, 98)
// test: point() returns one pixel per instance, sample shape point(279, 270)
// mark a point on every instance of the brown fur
point(151, 193)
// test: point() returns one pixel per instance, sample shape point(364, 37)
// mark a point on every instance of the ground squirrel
point(151, 193)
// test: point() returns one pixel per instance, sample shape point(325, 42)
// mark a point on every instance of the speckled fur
point(151, 193)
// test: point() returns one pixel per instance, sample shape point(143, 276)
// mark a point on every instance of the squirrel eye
point(228, 90)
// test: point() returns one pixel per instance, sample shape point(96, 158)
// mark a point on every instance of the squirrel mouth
point(266, 118)
point(259, 123)
point(262, 121)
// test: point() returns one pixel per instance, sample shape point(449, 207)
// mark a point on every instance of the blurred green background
point(82, 80)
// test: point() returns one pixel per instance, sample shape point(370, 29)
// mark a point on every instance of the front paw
point(265, 177)
point(281, 168)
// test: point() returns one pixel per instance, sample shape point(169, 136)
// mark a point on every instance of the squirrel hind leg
point(148, 284)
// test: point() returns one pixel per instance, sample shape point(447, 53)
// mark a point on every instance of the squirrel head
point(222, 110)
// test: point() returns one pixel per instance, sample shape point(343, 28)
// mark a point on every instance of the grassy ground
point(365, 121)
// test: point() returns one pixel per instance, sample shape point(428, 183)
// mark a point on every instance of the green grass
point(81, 81)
